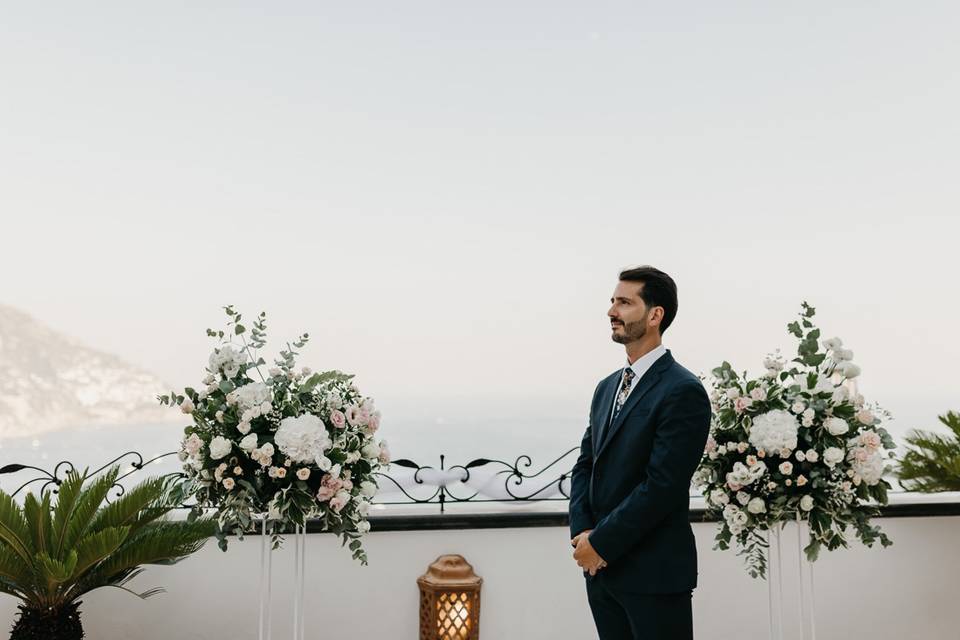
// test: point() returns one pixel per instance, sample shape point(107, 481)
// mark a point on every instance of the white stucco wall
point(532, 589)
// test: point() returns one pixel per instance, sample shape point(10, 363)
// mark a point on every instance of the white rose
point(806, 502)
point(809, 414)
point(756, 506)
point(220, 447)
point(719, 496)
point(836, 426)
point(786, 468)
point(370, 451)
point(812, 455)
point(743, 497)
point(733, 393)
point(801, 456)
point(243, 427)
point(187, 405)
point(249, 443)
point(842, 355)
point(866, 416)
point(849, 370)
point(758, 394)
point(840, 394)
point(228, 483)
point(274, 372)
point(832, 343)
point(832, 456)
point(798, 407)
point(324, 463)
point(740, 518)
point(363, 527)
point(368, 489)
point(824, 385)
point(363, 508)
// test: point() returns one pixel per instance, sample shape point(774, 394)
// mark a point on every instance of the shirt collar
point(644, 362)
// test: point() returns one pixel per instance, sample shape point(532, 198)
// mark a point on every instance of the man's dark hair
point(659, 290)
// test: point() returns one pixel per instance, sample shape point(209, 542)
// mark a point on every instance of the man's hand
point(585, 555)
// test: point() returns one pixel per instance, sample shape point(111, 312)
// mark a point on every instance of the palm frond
point(14, 531)
point(98, 546)
point(932, 460)
point(134, 508)
point(37, 514)
point(67, 494)
point(16, 576)
point(85, 508)
point(50, 561)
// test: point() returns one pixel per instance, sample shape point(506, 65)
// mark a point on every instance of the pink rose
point(374, 422)
point(353, 414)
point(332, 483)
point(348, 485)
point(339, 501)
point(711, 445)
point(871, 440)
point(325, 493)
point(338, 419)
point(741, 404)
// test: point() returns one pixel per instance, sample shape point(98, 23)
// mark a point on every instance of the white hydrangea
point(228, 360)
point(251, 395)
point(303, 439)
point(774, 430)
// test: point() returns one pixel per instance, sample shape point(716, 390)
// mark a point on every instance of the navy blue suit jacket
point(631, 482)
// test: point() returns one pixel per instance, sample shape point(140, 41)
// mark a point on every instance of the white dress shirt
point(640, 367)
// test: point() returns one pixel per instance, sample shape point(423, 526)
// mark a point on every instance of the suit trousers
point(621, 616)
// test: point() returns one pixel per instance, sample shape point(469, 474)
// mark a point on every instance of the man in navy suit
point(629, 495)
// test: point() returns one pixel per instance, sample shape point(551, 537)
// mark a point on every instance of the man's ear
point(656, 317)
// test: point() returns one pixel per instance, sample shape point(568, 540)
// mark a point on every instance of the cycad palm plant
point(932, 460)
point(50, 555)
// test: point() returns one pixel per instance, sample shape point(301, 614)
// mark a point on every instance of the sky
point(442, 194)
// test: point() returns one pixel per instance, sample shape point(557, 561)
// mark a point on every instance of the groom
point(629, 496)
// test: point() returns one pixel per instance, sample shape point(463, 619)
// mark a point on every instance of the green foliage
point(932, 460)
point(50, 555)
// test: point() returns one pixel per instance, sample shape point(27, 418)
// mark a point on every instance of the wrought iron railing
point(452, 484)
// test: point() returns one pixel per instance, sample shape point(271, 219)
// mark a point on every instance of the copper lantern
point(450, 600)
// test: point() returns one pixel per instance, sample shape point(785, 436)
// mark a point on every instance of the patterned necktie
point(625, 386)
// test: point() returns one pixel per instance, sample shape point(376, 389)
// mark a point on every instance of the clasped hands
point(585, 555)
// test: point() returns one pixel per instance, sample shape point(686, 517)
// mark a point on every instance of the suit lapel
point(602, 419)
point(647, 382)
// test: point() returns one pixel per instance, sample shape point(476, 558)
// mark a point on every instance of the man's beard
point(632, 331)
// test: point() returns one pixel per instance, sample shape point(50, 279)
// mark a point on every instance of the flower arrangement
point(798, 442)
point(287, 446)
